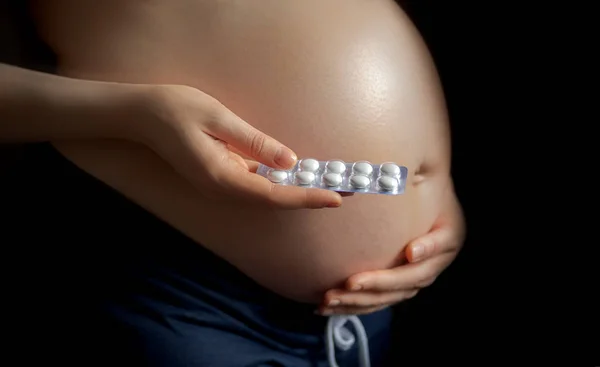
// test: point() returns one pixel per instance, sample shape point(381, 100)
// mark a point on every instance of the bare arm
point(36, 107)
point(183, 125)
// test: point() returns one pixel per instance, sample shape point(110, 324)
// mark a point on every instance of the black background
point(462, 317)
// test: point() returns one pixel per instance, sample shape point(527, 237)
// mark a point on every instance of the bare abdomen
point(331, 79)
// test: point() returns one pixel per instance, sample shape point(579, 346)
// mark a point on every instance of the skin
point(383, 95)
point(425, 259)
point(189, 129)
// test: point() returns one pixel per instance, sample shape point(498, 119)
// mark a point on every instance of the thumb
point(251, 142)
point(437, 241)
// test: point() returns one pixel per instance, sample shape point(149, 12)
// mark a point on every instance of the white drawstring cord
point(337, 335)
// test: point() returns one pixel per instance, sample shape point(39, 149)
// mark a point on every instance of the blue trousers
point(199, 311)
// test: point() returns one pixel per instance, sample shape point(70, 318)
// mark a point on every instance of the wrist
point(155, 109)
point(112, 110)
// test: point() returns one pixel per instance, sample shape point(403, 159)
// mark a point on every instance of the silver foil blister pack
point(359, 177)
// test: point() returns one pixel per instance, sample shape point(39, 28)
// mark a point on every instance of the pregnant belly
point(331, 79)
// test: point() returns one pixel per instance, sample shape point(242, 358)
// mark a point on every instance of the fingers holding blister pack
point(345, 177)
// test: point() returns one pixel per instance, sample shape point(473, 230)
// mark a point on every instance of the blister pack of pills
point(336, 175)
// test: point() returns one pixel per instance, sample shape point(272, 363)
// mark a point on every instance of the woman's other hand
point(428, 256)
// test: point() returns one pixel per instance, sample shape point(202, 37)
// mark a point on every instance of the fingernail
point(337, 203)
point(333, 303)
point(418, 252)
point(285, 158)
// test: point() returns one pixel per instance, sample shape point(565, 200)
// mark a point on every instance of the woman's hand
point(206, 143)
point(198, 136)
point(428, 256)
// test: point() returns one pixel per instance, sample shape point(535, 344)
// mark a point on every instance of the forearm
point(38, 107)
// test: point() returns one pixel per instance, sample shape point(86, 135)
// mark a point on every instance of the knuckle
point(272, 195)
point(256, 141)
point(309, 200)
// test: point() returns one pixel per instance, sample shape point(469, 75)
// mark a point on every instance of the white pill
point(305, 178)
point(336, 167)
point(387, 183)
point(359, 181)
point(332, 179)
point(390, 169)
point(362, 168)
point(277, 176)
point(310, 165)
